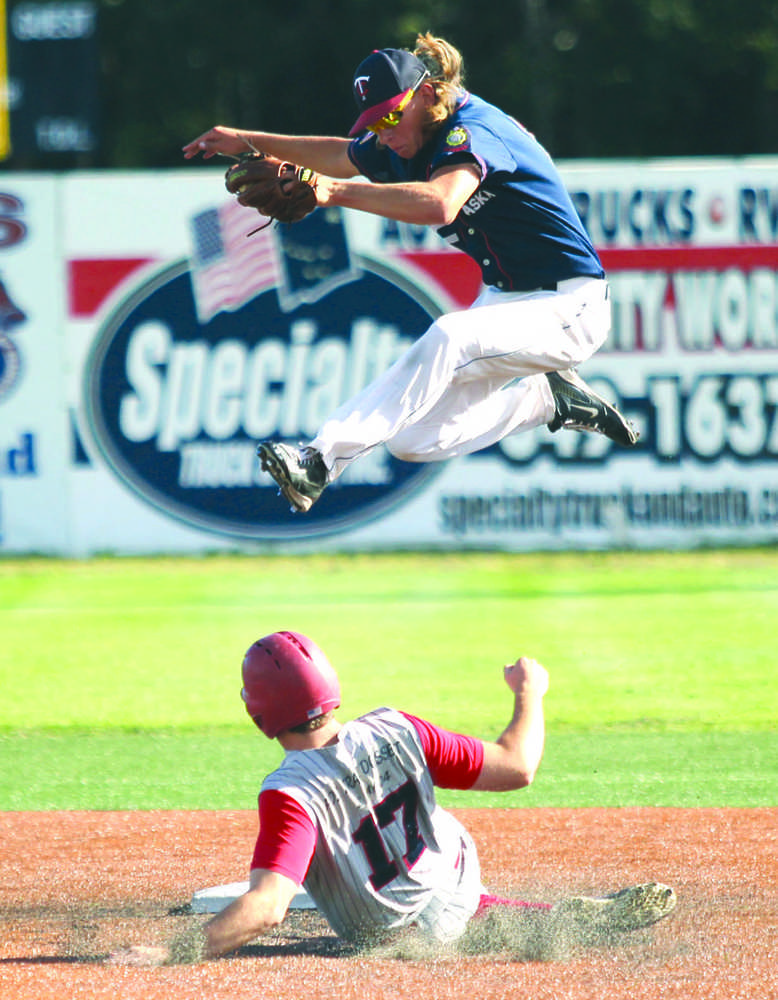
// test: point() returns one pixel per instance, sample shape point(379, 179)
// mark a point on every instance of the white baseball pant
point(473, 378)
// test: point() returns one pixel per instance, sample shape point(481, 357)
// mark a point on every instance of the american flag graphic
point(228, 267)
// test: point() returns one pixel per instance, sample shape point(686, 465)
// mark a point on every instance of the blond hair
point(446, 74)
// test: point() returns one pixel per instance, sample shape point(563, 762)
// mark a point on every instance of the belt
point(551, 286)
point(554, 286)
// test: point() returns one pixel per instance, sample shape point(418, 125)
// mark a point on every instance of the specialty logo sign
point(206, 359)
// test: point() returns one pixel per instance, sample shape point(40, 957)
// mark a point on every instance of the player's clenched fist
point(527, 676)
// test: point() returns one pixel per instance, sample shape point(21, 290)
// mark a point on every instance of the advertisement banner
point(34, 458)
point(187, 333)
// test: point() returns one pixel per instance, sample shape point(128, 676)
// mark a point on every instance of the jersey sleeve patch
point(458, 138)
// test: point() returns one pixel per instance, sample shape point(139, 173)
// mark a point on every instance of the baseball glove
point(282, 191)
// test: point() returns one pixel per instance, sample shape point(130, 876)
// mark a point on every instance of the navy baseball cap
point(381, 81)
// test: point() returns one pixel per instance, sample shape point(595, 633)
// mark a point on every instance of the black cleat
point(578, 408)
point(300, 472)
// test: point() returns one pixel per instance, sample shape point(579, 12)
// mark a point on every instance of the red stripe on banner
point(460, 276)
point(744, 258)
point(90, 282)
point(454, 271)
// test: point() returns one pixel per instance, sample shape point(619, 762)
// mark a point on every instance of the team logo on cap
point(361, 86)
point(457, 137)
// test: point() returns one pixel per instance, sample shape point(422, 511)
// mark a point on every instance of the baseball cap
point(381, 81)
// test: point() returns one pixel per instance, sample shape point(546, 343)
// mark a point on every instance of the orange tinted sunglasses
point(393, 118)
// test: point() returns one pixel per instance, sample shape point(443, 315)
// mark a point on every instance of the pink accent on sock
point(487, 901)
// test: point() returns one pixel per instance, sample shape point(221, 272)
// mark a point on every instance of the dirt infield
point(74, 886)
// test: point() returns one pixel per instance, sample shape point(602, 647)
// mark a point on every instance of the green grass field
point(120, 678)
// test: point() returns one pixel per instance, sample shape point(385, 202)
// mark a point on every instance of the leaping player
point(427, 152)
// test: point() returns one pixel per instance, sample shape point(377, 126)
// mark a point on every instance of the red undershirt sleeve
point(455, 761)
point(287, 836)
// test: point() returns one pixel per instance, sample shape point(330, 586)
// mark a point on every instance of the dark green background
point(592, 78)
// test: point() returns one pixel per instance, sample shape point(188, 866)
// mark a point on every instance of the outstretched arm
point(251, 915)
point(512, 760)
point(324, 154)
point(435, 202)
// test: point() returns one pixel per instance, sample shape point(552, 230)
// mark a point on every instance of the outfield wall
point(146, 343)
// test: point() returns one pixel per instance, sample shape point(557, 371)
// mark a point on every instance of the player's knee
point(403, 449)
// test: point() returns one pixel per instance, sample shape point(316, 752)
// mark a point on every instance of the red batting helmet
point(287, 680)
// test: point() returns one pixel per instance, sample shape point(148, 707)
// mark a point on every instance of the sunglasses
point(393, 118)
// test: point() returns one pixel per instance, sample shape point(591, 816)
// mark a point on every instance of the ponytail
point(445, 66)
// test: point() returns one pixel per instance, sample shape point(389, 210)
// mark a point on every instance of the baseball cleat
point(300, 473)
point(623, 911)
point(578, 408)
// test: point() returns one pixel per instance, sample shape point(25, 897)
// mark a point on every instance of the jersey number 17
point(368, 834)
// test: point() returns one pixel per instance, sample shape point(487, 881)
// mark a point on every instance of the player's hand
point(527, 676)
point(219, 139)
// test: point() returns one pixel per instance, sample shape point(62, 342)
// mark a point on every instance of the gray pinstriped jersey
point(387, 856)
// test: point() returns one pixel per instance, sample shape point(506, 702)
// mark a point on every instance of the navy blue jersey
point(520, 226)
